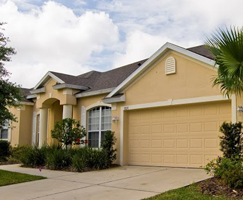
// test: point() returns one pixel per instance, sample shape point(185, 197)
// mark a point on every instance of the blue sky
point(77, 36)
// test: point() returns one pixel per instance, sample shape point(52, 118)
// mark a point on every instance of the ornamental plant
point(108, 146)
point(231, 141)
point(229, 170)
point(68, 132)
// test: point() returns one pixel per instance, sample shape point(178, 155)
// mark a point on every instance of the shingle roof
point(95, 80)
point(25, 92)
point(202, 50)
point(101, 80)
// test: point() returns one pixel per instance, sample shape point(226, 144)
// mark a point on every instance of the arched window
point(98, 123)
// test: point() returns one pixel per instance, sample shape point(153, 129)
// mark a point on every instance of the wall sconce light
point(115, 119)
point(240, 109)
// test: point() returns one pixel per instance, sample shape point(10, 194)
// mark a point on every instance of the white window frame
point(100, 123)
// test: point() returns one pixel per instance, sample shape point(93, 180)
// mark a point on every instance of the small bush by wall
point(108, 146)
point(34, 157)
point(79, 163)
point(18, 151)
point(88, 158)
point(4, 148)
point(59, 158)
point(79, 159)
point(229, 170)
point(231, 141)
point(97, 159)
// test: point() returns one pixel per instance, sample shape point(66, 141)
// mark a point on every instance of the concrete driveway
point(129, 182)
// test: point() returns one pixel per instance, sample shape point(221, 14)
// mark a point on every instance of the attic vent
point(170, 66)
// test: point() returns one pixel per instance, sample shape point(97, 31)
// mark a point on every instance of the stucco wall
point(64, 96)
point(15, 127)
point(21, 131)
point(192, 79)
point(25, 125)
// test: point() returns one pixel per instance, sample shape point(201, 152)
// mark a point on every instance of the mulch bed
point(215, 187)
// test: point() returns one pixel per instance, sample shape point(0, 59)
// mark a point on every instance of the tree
point(227, 47)
point(10, 93)
point(69, 132)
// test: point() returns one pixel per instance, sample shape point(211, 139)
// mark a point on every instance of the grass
point(186, 193)
point(8, 178)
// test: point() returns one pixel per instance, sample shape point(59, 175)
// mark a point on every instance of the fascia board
point(46, 77)
point(31, 96)
point(69, 86)
point(38, 91)
point(96, 92)
point(114, 99)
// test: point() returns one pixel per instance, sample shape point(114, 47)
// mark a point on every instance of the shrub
point(4, 149)
point(79, 162)
point(88, 158)
point(34, 157)
point(58, 158)
point(68, 131)
point(96, 159)
point(17, 152)
point(229, 170)
point(108, 146)
point(231, 141)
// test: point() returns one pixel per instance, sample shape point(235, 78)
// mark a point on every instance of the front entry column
point(67, 111)
point(43, 126)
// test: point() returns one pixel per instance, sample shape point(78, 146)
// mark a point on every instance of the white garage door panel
point(185, 136)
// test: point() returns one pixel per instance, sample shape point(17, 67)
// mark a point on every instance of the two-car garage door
point(179, 136)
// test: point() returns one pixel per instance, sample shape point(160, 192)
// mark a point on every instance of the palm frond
point(227, 47)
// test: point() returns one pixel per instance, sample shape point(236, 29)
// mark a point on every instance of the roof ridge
point(202, 45)
point(126, 65)
point(62, 73)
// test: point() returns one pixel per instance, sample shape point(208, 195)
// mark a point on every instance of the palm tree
point(227, 47)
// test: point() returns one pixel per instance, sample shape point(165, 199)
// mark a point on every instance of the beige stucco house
point(163, 110)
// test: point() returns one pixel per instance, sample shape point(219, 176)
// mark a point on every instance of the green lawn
point(186, 193)
point(7, 178)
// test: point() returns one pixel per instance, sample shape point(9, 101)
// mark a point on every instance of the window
point(4, 132)
point(99, 122)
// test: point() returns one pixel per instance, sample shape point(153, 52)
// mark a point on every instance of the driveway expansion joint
point(47, 195)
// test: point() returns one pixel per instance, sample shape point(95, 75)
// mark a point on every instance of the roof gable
point(163, 50)
point(45, 78)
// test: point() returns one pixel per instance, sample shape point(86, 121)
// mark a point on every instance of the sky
point(77, 36)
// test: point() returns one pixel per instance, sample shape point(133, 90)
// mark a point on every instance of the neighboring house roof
point(25, 92)
point(117, 78)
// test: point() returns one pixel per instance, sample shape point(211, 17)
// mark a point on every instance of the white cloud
point(54, 38)
point(151, 23)
point(79, 3)
point(138, 46)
